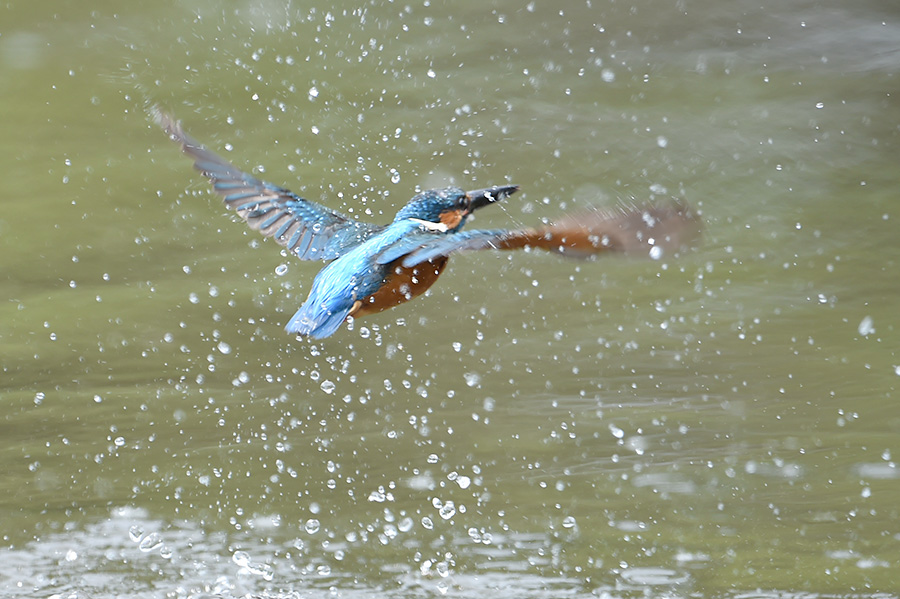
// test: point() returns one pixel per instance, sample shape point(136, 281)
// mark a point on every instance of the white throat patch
point(439, 227)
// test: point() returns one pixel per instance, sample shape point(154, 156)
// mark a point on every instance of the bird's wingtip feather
point(166, 122)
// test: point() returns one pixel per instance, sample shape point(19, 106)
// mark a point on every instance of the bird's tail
point(316, 321)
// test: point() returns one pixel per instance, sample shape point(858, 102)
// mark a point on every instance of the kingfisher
point(375, 267)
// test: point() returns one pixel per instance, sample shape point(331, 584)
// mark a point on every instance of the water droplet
point(443, 569)
point(150, 542)
point(281, 270)
point(865, 326)
point(312, 526)
point(472, 378)
point(447, 511)
point(135, 533)
point(241, 558)
point(224, 348)
point(568, 522)
point(266, 571)
point(327, 387)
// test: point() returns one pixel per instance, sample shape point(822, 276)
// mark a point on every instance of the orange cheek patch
point(452, 218)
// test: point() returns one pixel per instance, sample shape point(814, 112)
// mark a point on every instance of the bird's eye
point(462, 202)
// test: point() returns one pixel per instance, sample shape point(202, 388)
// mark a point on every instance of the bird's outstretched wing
point(309, 230)
point(648, 230)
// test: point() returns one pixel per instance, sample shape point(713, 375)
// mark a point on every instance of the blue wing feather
point(425, 245)
point(447, 244)
point(634, 230)
point(410, 242)
point(308, 229)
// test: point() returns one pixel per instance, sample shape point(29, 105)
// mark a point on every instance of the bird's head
point(446, 210)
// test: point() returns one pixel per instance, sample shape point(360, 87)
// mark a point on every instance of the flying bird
point(375, 267)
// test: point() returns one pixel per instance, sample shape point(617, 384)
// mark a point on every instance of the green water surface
point(718, 424)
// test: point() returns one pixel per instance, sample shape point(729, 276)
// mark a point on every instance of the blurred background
point(722, 423)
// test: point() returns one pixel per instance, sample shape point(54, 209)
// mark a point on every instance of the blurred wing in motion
point(309, 230)
point(643, 230)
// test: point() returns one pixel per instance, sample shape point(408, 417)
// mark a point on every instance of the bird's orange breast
point(401, 285)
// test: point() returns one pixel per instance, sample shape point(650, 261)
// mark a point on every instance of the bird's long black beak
point(482, 197)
